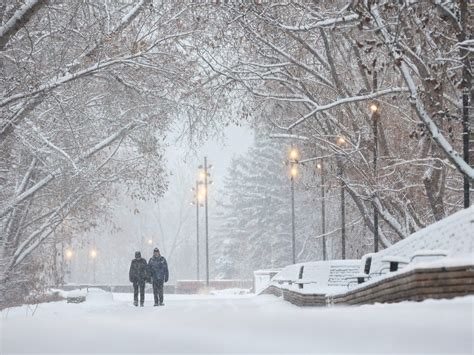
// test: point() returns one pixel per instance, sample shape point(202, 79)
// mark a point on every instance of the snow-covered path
point(238, 324)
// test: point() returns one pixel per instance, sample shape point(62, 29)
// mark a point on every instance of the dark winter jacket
point(158, 268)
point(138, 271)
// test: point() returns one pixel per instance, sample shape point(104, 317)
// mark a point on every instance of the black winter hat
point(138, 254)
point(156, 250)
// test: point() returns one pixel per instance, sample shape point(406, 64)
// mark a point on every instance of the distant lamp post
point(320, 168)
point(375, 118)
point(93, 255)
point(197, 201)
point(68, 255)
point(293, 160)
point(204, 169)
point(341, 142)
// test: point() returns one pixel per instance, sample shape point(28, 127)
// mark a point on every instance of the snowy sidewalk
point(238, 324)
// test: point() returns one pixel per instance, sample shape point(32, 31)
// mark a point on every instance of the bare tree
point(88, 90)
point(320, 67)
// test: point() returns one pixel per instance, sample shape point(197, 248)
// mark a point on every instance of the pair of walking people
point(154, 272)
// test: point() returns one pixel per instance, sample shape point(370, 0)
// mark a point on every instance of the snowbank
point(97, 296)
point(230, 292)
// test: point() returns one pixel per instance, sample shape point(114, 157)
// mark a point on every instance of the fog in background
point(170, 224)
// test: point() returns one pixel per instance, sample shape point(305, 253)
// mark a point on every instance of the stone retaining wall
point(414, 285)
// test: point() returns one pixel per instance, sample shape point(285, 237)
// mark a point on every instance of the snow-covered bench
point(317, 279)
point(308, 283)
point(364, 270)
point(393, 263)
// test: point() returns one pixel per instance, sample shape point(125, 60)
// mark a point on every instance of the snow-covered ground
point(226, 323)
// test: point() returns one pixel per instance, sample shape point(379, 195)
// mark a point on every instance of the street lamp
point(93, 255)
point(206, 175)
point(150, 241)
point(341, 142)
point(374, 108)
point(375, 118)
point(69, 254)
point(320, 168)
point(294, 156)
point(294, 171)
point(198, 198)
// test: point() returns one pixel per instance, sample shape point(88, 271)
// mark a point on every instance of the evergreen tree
point(255, 212)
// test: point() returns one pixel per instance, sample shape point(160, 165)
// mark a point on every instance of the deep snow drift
point(237, 324)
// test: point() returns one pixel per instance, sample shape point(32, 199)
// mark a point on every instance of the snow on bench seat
point(396, 259)
point(318, 277)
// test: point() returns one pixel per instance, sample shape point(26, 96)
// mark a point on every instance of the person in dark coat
point(138, 275)
point(158, 269)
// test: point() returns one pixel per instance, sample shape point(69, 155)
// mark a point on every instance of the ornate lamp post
point(93, 254)
point(320, 168)
point(197, 201)
point(341, 142)
point(375, 117)
point(294, 157)
point(206, 182)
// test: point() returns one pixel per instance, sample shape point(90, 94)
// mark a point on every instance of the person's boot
point(156, 305)
point(135, 303)
point(141, 304)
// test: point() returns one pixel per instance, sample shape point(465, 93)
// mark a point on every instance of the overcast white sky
point(236, 140)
